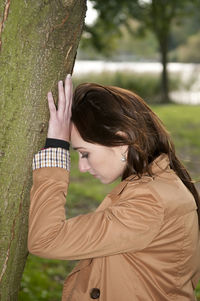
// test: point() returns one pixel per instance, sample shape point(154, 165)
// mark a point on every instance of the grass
point(183, 123)
point(43, 278)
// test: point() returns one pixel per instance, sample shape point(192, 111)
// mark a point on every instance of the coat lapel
point(81, 265)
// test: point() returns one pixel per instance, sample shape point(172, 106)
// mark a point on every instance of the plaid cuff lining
point(52, 157)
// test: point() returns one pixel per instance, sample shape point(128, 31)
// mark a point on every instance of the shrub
point(146, 85)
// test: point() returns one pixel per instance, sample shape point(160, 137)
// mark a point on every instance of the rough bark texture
point(38, 43)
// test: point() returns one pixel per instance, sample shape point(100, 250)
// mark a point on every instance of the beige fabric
point(140, 244)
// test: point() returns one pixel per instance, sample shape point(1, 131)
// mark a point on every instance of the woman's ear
point(122, 134)
point(124, 152)
point(123, 148)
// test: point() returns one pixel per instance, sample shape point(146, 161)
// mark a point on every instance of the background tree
point(38, 41)
point(155, 15)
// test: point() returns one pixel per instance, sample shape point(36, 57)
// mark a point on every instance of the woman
point(142, 242)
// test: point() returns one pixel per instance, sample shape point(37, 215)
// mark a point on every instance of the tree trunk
point(164, 76)
point(38, 43)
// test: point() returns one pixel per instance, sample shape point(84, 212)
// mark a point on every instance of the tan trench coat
point(141, 244)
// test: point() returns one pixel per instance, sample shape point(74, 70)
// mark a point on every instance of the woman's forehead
point(77, 141)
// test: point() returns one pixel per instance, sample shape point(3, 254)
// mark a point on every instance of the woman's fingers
point(68, 93)
point(61, 98)
point(59, 122)
point(51, 104)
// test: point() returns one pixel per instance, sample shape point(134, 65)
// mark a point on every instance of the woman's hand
point(59, 122)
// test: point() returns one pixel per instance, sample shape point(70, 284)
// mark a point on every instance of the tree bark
point(164, 75)
point(160, 20)
point(38, 44)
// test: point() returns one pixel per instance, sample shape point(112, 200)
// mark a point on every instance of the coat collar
point(159, 165)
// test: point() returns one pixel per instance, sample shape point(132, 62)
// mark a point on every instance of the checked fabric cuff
point(52, 157)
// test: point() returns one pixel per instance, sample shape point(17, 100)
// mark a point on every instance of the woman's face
point(102, 162)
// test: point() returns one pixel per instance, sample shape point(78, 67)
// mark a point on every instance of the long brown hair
point(100, 113)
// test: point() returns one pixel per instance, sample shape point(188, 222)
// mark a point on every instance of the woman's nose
point(83, 165)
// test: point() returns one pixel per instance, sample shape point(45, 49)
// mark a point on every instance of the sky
point(91, 14)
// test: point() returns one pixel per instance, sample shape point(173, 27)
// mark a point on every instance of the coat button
point(95, 293)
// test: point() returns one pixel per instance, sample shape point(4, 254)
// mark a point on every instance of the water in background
point(186, 72)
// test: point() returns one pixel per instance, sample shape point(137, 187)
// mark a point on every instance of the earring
point(123, 158)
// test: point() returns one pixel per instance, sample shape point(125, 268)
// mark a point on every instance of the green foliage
point(43, 279)
point(100, 36)
point(134, 43)
point(146, 85)
point(189, 52)
point(123, 47)
point(198, 291)
point(135, 48)
point(154, 15)
point(182, 29)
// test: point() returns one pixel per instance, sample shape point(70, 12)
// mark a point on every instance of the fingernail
point(69, 75)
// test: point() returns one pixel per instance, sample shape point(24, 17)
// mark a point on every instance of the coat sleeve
point(128, 225)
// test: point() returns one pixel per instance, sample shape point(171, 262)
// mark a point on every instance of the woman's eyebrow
point(78, 147)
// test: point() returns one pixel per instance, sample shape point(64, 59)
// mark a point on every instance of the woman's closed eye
point(84, 155)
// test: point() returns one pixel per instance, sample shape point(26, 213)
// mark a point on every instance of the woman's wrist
point(51, 142)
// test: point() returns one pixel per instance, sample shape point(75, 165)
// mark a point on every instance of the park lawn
point(183, 124)
point(43, 278)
